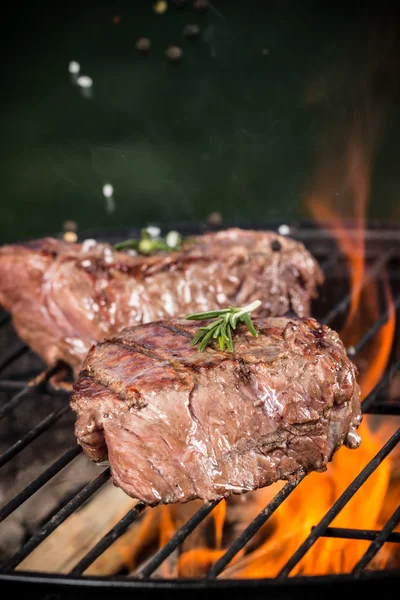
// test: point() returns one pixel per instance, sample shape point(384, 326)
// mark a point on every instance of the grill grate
point(323, 247)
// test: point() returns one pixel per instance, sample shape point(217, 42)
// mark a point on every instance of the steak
point(64, 297)
point(178, 424)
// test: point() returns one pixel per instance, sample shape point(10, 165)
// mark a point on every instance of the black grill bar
point(377, 544)
point(383, 408)
point(358, 534)
point(10, 384)
point(108, 539)
point(371, 399)
point(339, 504)
point(254, 526)
point(11, 404)
point(177, 539)
point(32, 434)
point(370, 273)
point(328, 263)
point(4, 319)
point(55, 521)
point(374, 329)
point(39, 482)
point(34, 386)
point(13, 356)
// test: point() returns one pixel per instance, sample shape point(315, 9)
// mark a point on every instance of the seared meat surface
point(64, 297)
point(178, 424)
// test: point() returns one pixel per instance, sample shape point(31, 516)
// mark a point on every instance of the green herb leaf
point(127, 244)
point(206, 339)
point(207, 315)
point(221, 329)
point(221, 343)
point(197, 337)
point(249, 324)
point(229, 341)
point(149, 242)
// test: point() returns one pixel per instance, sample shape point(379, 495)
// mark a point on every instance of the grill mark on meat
point(180, 366)
point(175, 329)
point(133, 399)
point(140, 349)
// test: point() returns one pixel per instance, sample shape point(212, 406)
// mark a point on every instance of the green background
point(265, 97)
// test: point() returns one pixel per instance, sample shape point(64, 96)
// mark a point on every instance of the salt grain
point(108, 190)
point(284, 229)
point(172, 239)
point(74, 67)
point(88, 245)
point(153, 232)
point(84, 81)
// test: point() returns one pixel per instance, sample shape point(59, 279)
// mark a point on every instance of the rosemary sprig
point(221, 329)
point(150, 241)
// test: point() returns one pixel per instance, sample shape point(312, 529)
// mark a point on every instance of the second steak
point(64, 297)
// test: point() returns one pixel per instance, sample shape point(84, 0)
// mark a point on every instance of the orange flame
point(219, 518)
point(304, 508)
point(310, 501)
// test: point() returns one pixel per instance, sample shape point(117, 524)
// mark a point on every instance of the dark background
point(269, 96)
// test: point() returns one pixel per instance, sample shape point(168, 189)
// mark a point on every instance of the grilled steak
point(65, 297)
point(178, 424)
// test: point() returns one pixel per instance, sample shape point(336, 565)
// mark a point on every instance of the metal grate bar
point(13, 356)
point(371, 273)
point(36, 384)
point(32, 434)
point(377, 543)
point(339, 504)
point(9, 406)
point(55, 521)
point(37, 483)
point(177, 539)
point(10, 384)
point(384, 408)
point(254, 526)
point(108, 539)
point(370, 400)
point(374, 329)
point(328, 263)
point(4, 319)
point(358, 534)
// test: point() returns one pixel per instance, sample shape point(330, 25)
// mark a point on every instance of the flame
point(167, 530)
point(219, 514)
point(378, 497)
point(315, 495)
point(305, 507)
point(196, 562)
point(374, 502)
